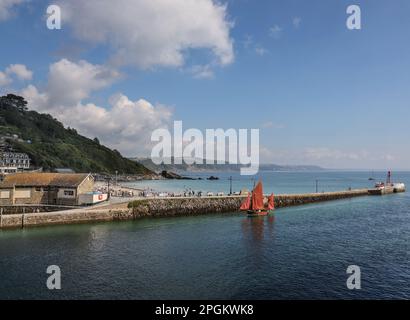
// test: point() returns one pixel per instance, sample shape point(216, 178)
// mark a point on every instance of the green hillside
point(51, 146)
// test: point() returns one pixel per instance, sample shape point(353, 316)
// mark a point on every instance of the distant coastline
point(149, 164)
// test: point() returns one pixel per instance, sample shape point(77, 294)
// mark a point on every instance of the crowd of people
point(126, 192)
point(185, 193)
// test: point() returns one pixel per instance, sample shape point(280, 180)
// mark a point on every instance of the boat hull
point(258, 213)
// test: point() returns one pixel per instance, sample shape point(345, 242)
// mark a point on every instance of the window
point(4, 194)
point(69, 193)
point(38, 189)
point(22, 194)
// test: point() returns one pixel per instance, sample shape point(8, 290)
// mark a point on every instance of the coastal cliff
point(50, 145)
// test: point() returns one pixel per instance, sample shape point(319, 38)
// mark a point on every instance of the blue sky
point(320, 93)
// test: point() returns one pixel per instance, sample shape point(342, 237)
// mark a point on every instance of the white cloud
point(36, 99)
point(323, 156)
point(296, 22)
point(249, 44)
point(4, 79)
point(260, 51)
point(20, 71)
point(335, 154)
point(125, 125)
point(70, 82)
point(148, 33)
point(6, 7)
point(335, 158)
point(202, 72)
point(275, 32)
point(388, 157)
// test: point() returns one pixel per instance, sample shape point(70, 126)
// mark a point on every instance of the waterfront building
point(45, 188)
point(8, 170)
point(12, 162)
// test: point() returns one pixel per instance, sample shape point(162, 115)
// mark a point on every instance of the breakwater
point(162, 208)
point(195, 206)
point(32, 208)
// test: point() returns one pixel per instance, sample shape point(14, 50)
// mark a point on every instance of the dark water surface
point(297, 253)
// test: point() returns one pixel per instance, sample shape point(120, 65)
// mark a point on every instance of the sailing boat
point(254, 205)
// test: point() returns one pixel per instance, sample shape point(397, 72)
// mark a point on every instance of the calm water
point(278, 182)
point(298, 253)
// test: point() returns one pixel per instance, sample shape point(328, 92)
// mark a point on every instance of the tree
point(14, 101)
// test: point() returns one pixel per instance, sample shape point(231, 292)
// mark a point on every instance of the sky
point(320, 94)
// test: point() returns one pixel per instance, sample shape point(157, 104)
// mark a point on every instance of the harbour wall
point(197, 206)
point(10, 209)
point(163, 208)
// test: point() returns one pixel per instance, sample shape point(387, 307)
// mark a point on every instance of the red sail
point(246, 205)
point(257, 197)
point(271, 202)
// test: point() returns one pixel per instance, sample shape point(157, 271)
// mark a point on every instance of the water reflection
point(258, 229)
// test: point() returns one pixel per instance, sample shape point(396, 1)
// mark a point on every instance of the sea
point(296, 253)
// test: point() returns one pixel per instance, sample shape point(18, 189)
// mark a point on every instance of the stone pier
point(167, 207)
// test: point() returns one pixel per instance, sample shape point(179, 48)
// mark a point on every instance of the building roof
point(64, 170)
point(37, 179)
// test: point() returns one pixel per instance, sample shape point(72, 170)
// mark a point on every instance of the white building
point(11, 162)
